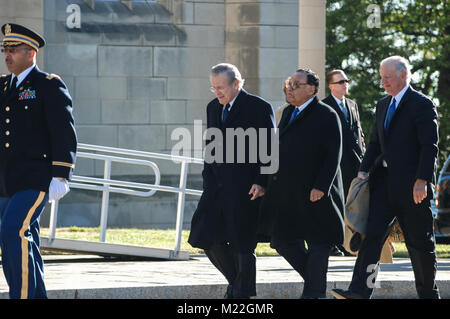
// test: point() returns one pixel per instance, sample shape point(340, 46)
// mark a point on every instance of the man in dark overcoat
point(304, 199)
point(352, 134)
point(224, 223)
point(37, 156)
point(400, 162)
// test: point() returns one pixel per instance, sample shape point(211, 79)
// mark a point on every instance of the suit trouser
point(311, 264)
point(416, 222)
point(239, 269)
point(19, 238)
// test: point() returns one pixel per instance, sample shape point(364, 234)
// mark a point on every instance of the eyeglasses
point(214, 90)
point(341, 82)
point(294, 85)
point(13, 50)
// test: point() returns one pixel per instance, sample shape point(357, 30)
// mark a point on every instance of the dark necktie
point(225, 112)
point(344, 110)
point(294, 114)
point(13, 85)
point(389, 115)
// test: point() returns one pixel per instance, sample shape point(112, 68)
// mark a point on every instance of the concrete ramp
point(111, 249)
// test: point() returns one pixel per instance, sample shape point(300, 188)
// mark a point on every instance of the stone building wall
point(137, 70)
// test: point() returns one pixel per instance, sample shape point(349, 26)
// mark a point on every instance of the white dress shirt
point(304, 105)
point(342, 105)
point(22, 75)
point(399, 96)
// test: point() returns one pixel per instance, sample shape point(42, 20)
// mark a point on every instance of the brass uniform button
point(7, 121)
point(7, 109)
point(7, 145)
point(7, 133)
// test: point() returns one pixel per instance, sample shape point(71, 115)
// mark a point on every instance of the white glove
point(57, 189)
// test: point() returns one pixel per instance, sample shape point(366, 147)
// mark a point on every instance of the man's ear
point(236, 83)
point(404, 75)
point(32, 53)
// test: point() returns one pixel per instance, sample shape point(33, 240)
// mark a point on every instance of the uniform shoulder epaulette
point(52, 76)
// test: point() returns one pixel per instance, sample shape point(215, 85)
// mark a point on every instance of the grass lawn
point(166, 239)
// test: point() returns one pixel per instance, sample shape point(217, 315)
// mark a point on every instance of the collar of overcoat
point(238, 104)
point(384, 110)
point(332, 102)
point(284, 125)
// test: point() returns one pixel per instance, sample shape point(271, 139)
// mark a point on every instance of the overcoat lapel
point(219, 115)
point(400, 106)
point(285, 119)
point(351, 113)
point(235, 109)
point(380, 121)
point(397, 111)
point(301, 116)
point(341, 115)
point(338, 110)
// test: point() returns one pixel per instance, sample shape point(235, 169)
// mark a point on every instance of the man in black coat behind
point(352, 134)
point(304, 200)
point(224, 224)
point(400, 163)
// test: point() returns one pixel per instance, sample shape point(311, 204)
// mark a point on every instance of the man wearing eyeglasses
point(304, 200)
point(224, 224)
point(37, 156)
point(352, 134)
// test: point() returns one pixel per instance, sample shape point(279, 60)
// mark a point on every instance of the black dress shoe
point(345, 294)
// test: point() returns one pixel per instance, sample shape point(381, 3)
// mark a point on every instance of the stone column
point(242, 39)
point(311, 38)
point(29, 13)
point(261, 39)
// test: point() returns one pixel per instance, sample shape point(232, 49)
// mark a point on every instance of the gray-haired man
point(401, 160)
point(224, 224)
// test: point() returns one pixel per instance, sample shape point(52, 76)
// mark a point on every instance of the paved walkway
point(94, 277)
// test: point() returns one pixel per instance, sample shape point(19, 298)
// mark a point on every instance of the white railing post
point(105, 202)
point(180, 206)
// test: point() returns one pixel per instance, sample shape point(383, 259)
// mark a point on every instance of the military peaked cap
point(16, 34)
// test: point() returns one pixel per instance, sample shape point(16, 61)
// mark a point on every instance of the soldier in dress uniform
point(37, 156)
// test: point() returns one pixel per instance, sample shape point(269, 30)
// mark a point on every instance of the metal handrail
point(106, 184)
